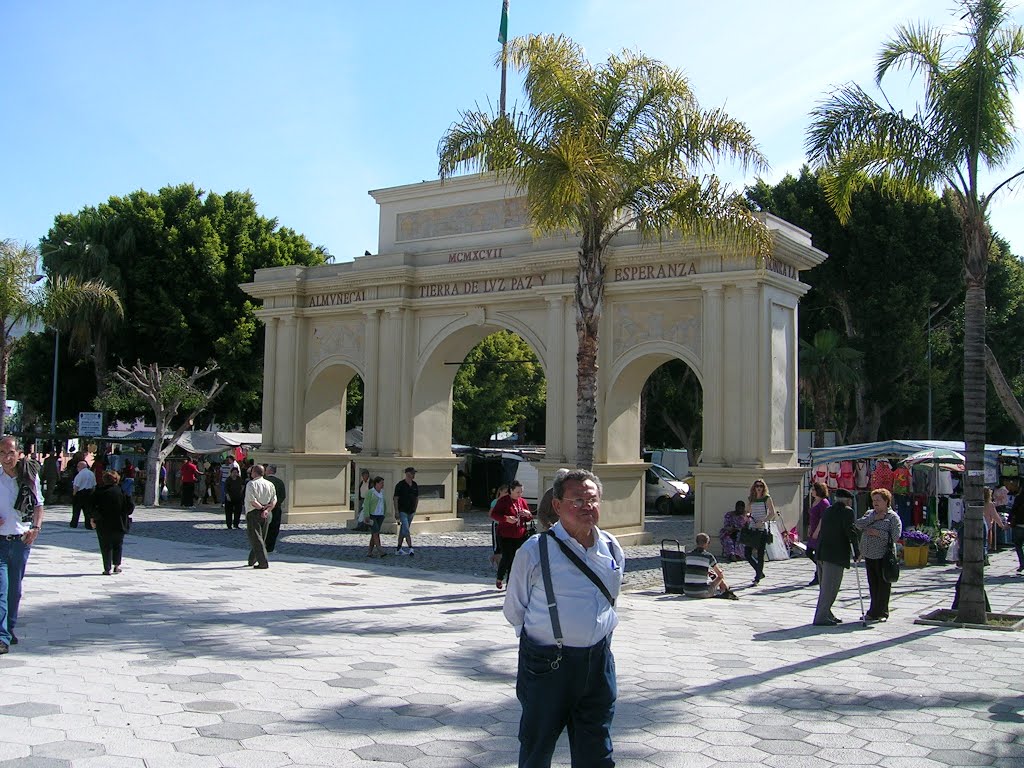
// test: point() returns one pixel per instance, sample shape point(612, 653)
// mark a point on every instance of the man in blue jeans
point(566, 676)
point(16, 538)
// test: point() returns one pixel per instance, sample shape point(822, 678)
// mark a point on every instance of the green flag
point(503, 28)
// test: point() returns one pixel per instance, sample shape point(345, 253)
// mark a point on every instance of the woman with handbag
point(880, 530)
point(512, 513)
point(754, 536)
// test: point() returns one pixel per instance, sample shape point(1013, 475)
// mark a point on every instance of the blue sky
point(311, 103)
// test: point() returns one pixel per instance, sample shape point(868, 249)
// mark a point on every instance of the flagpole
point(503, 39)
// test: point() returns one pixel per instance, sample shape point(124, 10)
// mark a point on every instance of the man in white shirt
point(566, 670)
point(260, 499)
point(16, 538)
point(81, 492)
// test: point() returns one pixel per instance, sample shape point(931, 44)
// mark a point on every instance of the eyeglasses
point(759, 485)
point(579, 504)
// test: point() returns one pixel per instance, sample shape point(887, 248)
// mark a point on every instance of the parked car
point(666, 492)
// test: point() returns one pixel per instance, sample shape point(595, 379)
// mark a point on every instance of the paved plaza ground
point(190, 659)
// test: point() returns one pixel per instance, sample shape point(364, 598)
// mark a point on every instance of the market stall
point(923, 476)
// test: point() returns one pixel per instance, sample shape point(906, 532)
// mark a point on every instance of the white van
point(665, 491)
point(676, 460)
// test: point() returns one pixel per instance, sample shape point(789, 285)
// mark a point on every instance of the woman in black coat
point(109, 515)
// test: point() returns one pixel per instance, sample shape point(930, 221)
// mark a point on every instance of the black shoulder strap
point(574, 558)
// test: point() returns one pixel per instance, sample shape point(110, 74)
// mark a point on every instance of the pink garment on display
point(846, 475)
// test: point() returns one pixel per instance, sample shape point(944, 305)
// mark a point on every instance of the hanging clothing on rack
point(846, 481)
point(861, 475)
point(882, 476)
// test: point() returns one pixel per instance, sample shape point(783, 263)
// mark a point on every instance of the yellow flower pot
point(915, 557)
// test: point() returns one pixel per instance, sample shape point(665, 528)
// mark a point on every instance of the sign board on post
point(90, 423)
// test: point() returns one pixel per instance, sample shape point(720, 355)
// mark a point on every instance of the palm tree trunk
point(972, 590)
point(589, 301)
point(5, 360)
point(99, 359)
point(586, 389)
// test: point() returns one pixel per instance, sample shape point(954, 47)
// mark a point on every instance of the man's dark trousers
point(274, 528)
point(79, 502)
point(256, 526)
point(579, 694)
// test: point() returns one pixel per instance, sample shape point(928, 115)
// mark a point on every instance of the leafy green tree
point(602, 149)
point(163, 392)
point(499, 387)
point(177, 258)
point(893, 264)
point(24, 300)
point(965, 123)
point(827, 370)
point(672, 410)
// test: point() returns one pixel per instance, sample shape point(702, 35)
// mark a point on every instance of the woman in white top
point(374, 508)
point(760, 510)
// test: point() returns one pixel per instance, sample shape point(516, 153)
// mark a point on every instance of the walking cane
point(860, 595)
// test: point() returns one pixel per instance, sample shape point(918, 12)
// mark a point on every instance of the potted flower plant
point(943, 542)
point(915, 548)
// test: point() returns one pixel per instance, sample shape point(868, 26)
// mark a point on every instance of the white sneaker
point(401, 551)
point(411, 552)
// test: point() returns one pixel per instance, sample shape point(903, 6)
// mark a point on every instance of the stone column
point(371, 383)
point(556, 376)
point(752, 341)
point(284, 389)
point(299, 376)
point(711, 369)
point(269, 382)
point(389, 355)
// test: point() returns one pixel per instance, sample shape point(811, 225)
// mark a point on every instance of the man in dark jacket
point(275, 517)
point(837, 535)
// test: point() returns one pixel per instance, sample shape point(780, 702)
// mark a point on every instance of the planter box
point(915, 557)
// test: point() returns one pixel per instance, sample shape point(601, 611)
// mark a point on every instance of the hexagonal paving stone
point(420, 710)
point(215, 677)
point(388, 753)
point(445, 748)
point(35, 762)
point(351, 681)
point(211, 706)
point(69, 750)
point(231, 731)
point(29, 709)
point(162, 677)
point(205, 746)
point(961, 757)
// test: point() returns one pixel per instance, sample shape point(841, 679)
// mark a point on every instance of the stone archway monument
point(457, 262)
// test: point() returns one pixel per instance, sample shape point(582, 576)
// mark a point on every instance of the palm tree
point(80, 246)
point(966, 122)
point(826, 369)
point(601, 149)
point(23, 301)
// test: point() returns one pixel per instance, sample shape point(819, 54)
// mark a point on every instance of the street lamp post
point(53, 400)
point(931, 315)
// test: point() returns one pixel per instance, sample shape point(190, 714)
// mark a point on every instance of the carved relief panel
point(674, 320)
point(338, 338)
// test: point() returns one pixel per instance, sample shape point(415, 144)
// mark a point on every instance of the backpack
point(27, 472)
